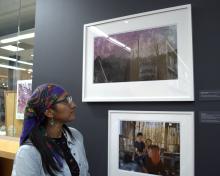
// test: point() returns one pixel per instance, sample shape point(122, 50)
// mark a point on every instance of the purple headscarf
point(41, 99)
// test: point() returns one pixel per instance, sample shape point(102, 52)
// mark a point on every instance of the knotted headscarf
point(41, 99)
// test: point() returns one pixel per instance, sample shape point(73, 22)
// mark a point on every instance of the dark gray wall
point(58, 58)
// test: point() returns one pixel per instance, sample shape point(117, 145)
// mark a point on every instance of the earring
point(52, 122)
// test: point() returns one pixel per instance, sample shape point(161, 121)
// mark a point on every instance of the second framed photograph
point(150, 143)
point(141, 57)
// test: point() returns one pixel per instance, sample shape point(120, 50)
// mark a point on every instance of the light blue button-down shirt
point(28, 160)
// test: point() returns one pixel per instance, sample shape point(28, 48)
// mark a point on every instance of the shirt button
point(74, 154)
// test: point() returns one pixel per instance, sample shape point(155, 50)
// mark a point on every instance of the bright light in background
point(12, 67)
point(30, 71)
point(14, 60)
point(8, 58)
point(26, 63)
point(12, 48)
point(17, 38)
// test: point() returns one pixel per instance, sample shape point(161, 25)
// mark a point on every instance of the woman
point(47, 145)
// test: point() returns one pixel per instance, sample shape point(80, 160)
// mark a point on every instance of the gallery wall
point(58, 58)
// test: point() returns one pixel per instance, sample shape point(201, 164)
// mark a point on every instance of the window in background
point(17, 19)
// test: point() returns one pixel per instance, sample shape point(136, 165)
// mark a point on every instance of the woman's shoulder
point(76, 133)
point(27, 151)
point(29, 158)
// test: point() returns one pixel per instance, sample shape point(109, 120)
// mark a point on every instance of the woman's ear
point(49, 113)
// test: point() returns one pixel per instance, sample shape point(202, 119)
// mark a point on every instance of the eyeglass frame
point(66, 100)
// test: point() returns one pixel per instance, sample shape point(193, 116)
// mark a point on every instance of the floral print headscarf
point(43, 97)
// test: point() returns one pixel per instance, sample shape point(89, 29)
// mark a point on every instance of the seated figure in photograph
point(152, 163)
point(47, 145)
point(148, 142)
point(139, 146)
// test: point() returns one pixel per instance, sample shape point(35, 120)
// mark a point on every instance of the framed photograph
point(141, 57)
point(24, 91)
point(150, 143)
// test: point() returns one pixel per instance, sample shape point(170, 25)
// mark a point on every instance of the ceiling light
point(26, 63)
point(17, 38)
point(12, 48)
point(8, 58)
point(12, 67)
point(15, 60)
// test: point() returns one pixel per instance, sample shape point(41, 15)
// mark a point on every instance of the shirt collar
point(68, 137)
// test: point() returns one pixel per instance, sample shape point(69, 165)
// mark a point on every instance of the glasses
point(67, 100)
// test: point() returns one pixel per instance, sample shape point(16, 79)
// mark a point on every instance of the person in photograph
point(152, 163)
point(47, 145)
point(147, 142)
point(139, 147)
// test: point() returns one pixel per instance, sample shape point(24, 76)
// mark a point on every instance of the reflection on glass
point(142, 55)
point(16, 60)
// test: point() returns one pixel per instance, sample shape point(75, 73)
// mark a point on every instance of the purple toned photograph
point(150, 147)
point(24, 92)
point(144, 55)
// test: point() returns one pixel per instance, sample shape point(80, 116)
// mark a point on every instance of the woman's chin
point(71, 118)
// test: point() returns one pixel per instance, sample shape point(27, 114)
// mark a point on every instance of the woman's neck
point(54, 131)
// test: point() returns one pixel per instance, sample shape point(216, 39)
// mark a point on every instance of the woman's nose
point(73, 105)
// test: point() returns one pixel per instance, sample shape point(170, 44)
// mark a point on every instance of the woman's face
point(64, 109)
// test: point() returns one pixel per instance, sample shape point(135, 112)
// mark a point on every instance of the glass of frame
point(141, 57)
point(148, 143)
